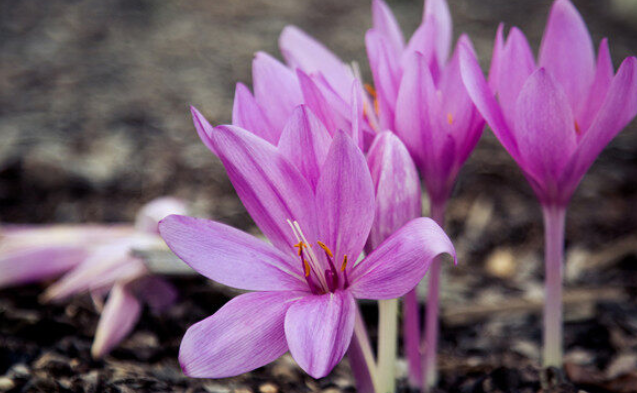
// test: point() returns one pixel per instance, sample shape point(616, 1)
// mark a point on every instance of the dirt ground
point(94, 122)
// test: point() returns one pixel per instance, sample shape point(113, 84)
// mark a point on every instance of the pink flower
point(556, 116)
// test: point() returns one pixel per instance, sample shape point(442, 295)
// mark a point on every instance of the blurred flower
point(309, 275)
point(93, 259)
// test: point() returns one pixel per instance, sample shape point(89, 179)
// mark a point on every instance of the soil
point(94, 122)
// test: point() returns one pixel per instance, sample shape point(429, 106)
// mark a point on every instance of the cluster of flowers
point(327, 166)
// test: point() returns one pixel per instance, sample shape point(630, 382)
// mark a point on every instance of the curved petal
point(305, 142)
point(230, 256)
point(345, 199)
point(320, 105)
point(150, 214)
point(397, 187)
point(276, 89)
point(245, 334)
point(498, 48)
point(545, 127)
point(400, 262)
point(618, 109)
point(319, 330)
point(567, 52)
point(36, 264)
point(304, 52)
point(247, 114)
point(270, 187)
point(385, 23)
point(120, 314)
point(603, 78)
point(204, 129)
point(483, 98)
point(439, 10)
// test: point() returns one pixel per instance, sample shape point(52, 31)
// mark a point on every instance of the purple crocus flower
point(307, 279)
point(554, 117)
point(93, 259)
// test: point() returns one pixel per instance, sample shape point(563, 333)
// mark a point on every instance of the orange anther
point(449, 118)
point(326, 249)
point(307, 268)
point(370, 89)
point(344, 265)
point(300, 246)
point(577, 129)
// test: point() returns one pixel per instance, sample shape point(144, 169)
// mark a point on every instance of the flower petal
point(120, 314)
point(270, 187)
point(326, 109)
point(276, 89)
point(345, 199)
point(545, 127)
point(439, 10)
point(230, 256)
point(319, 330)
point(386, 72)
point(618, 109)
point(385, 23)
point(245, 334)
point(154, 211)
point(158, 293)
point(498, 48)
point(304, 52)
point(204, 129)
point(36, 264)
point(400, 262)
point(567, 52)
point(397, 187)
point(305, 142)
point(603, 78)
point(247, 114)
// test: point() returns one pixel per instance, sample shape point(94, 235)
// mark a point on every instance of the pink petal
point(397, 186)
point(154, 211)
point(204, 129)
point(158, 293)
point(544, 126)
point(270, 187)
point(276, 89)
point(327, 110)
point(386, 72)
point(247, 114)
point(400, 262)
point(345, 199)
point(483, 98)
point(230, 256)
point(603, 78)
point(245, 334)
point(567, 52)
point(498, 48)
point(439, 10)
point(319, 330)
point(36, 264)
point(515, 67)
point(118, 318)
point(385, 23)
point(618, 109)
point(305, 142)
point(304, 52)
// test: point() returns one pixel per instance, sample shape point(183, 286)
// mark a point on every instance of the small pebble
point(243, 390)
point(501, 263)
point(268, 388)
point(6, 384)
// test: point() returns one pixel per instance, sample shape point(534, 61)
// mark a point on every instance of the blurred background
point(95, 121)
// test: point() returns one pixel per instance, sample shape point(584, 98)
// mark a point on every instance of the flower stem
point(411, 336)
point(387, 345)
point(430, 372)
point(554, 220)
point(361, 358)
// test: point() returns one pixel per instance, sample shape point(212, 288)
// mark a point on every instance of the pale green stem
point(387, 345)
point(364, 357)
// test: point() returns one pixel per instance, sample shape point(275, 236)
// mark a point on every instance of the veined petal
point(385, 23)
point(439, 10)
point(230, 256)
point(304, 52)
point(424, 41)
point(567, 52)
point(400, 262)
point(243, 335)
point(618, 109)
point(204, 129)
point(319, 329)
point(516, 64)
point(305, 142)
point(345, 199)
point(498, 48)
point(386, 72)
point(276, 89)
point(545, 127)
point(118, 318)
point(247, 114)
point(483, 98)
point(397, 187)
point(36, 264)
point(603, 78)
point(270, 187)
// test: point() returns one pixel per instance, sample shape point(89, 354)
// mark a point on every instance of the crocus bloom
point(307, 279)
point(94, 259)
point(554, 117)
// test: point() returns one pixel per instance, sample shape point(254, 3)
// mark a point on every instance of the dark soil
point(94, 122)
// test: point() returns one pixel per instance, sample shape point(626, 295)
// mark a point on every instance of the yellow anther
point(307, 268)
point(449, 118)
point(344, 265)
point(370, 89)
point(577, 129)
point(326, 249)
point(300, 246)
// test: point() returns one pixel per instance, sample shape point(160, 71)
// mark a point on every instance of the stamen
point(325, 248)
point(300, 246)
point(307, 268)
point(312, 260)
point(370, 89)
point(449, 118)
point(344, 265)
point(577, 129)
